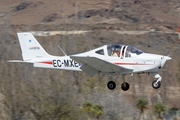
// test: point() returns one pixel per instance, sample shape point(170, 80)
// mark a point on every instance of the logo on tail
point(34, 48)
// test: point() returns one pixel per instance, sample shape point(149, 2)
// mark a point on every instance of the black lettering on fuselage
point(71, 61)
point(76, 64)
point(54, 63)
point(59, 63)
point(67, 63)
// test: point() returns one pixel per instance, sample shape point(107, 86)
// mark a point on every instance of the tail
point(31, 49)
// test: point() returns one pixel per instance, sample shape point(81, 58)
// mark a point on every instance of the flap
point(89, 70)
point(101, 65)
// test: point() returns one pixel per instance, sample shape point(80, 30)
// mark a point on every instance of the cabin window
point(101, 52)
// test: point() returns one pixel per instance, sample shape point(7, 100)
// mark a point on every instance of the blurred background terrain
point(45, 94)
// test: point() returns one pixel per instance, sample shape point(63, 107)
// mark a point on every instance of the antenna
point(62, 50)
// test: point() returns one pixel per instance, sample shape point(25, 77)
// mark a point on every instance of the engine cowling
point(163, 61)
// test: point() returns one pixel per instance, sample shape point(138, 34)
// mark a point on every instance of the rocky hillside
point(51, 94)
point(91, 12)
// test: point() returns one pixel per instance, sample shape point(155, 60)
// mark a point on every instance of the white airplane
point(109, 59)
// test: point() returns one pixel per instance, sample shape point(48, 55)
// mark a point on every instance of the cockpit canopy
point(118, 50)
point(131, 49)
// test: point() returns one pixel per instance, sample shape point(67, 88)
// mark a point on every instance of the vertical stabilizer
point(30, 47)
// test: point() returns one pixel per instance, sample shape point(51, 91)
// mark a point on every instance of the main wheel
point(125, 86)
point(156, 85)
point(111, 85)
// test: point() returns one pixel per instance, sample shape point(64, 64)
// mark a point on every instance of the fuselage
point(139, 63)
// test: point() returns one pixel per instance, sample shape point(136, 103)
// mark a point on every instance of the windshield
point(132, 49)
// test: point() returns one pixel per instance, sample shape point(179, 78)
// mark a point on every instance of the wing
point(93, 65)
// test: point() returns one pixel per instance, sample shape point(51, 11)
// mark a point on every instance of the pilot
point(116, 52)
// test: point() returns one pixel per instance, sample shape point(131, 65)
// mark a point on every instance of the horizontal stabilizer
point(27, 63)
point(21, 61)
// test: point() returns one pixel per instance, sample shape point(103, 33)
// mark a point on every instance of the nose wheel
point(156, 84)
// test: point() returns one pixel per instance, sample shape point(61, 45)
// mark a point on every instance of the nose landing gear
point(157, 83)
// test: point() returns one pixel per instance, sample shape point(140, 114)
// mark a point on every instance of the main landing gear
point(112, 85)
point(124, 86)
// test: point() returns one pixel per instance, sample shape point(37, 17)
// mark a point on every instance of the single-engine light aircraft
point(109, 59)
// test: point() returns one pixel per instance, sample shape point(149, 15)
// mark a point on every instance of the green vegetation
point(93, 110)
point(142, 104)
point(159, 109)
point(178, 73)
